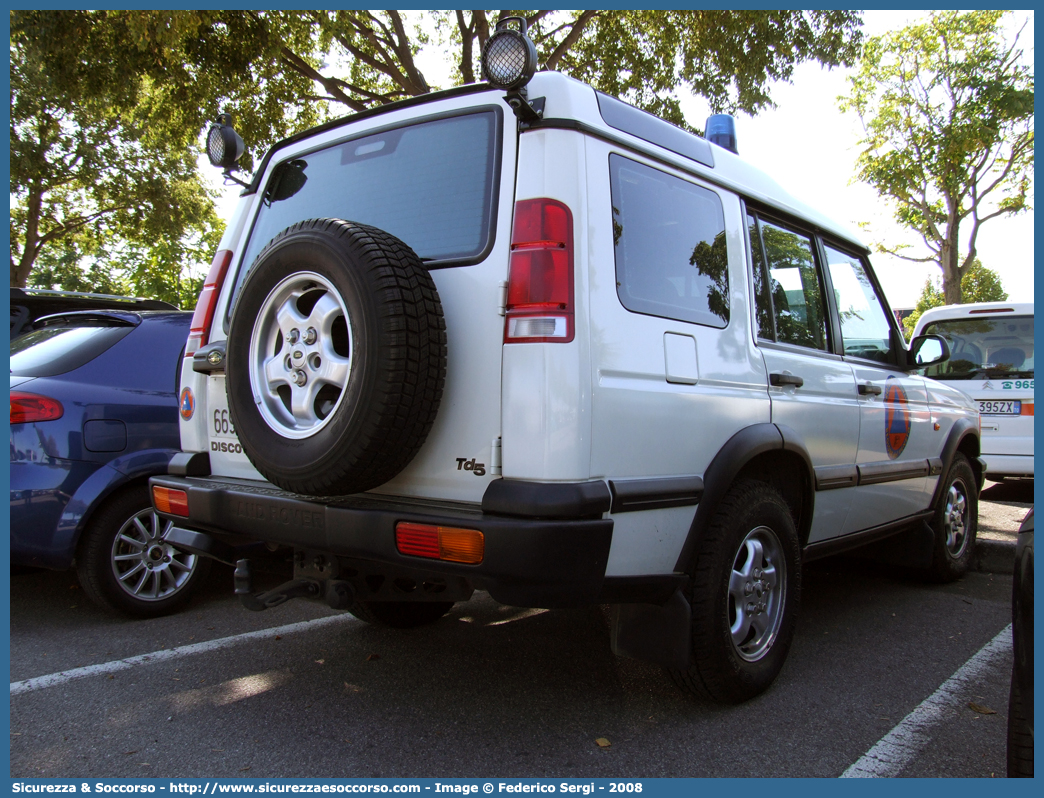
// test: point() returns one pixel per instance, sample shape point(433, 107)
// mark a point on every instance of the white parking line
point(164, 655)
point(897, 748)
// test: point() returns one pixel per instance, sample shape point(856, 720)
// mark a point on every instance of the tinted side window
point(671, 258)
point(865, 330)
point(794, 285)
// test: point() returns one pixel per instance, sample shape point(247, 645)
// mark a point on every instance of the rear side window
point(671, 258)
point(61, 348)
point(430, 184)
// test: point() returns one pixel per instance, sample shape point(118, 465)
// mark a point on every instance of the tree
point(107, 105)
point(947, 107)
point(979, 284)
point(106, 112)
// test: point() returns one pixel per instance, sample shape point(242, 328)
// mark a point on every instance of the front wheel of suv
point(955, 523)
point(745, 593)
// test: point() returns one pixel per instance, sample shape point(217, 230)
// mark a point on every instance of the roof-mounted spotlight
point(721, 130)
point(509, 61)
point(225, 147)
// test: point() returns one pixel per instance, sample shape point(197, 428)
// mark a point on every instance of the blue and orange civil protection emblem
point(188, 404)
point(897, 418)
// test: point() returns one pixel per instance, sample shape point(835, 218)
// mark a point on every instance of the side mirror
point(927, 350)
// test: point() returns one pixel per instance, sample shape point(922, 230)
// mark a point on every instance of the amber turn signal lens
point(440, 542)
point(1027, 409)
point(170, 501)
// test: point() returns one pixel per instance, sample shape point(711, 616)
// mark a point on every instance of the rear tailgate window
point(430, 184)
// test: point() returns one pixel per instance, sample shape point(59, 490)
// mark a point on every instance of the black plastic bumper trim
point(560, 500)
point(551, 562)
point(630, 495)
point(190, 464)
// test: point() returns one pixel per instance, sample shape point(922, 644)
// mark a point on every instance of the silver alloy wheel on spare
point(300, 355)
point(147, 568)
point(757, 593)
point(955, 519)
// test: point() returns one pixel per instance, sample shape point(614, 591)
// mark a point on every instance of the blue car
point(94, 414)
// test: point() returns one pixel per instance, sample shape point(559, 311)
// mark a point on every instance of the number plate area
point(1010, 407)
point(226, 453)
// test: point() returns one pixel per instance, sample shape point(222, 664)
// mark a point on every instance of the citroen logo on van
point(987, 386)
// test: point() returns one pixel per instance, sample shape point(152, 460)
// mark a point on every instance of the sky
point(810, 148)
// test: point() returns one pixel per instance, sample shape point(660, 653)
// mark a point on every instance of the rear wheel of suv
point(336, 358)
point(124, 563)
point(955, 523)
point(745, 592)
point(400, 614)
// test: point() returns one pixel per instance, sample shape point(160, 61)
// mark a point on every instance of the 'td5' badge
point(897, 418)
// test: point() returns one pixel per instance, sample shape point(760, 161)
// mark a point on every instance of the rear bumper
point(529, 562)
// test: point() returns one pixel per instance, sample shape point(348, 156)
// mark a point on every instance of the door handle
point(867, 388)
point(786, 379)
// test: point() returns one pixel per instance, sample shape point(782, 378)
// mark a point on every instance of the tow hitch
point(338, 594)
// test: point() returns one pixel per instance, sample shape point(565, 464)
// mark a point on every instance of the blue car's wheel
point(126, 565)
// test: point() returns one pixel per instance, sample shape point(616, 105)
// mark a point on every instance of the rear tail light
point(170, 500)
point(1027, 409)
point(440, 542)
point(27, 408)
point(203, 315)
point(540, 282)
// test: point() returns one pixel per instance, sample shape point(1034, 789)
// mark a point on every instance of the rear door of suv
point(440, 177)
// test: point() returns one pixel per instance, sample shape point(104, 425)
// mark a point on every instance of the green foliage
point(947, 106)
point(979, 284)
point(109, 108)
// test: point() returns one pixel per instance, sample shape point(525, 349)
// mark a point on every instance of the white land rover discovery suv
point(525, 338)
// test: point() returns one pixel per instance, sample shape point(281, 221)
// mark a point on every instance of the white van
point(525, 338)
point(991, 360)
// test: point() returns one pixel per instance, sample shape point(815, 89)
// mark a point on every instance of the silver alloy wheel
point(955, 519)
point(300, 355)
point(147, 568)
point(757, 591)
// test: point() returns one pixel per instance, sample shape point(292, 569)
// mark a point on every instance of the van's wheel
point(745, 593)
point(400, 614)
point(125, 565)
point(955, 523)
point(336, 358)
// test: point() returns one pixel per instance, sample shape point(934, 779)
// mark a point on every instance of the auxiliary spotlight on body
point(225, 147)
point(509, 61)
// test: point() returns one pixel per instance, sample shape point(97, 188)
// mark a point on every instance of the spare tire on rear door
point(336, 358)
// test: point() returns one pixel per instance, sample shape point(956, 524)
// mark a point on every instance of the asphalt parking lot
point(493, 690)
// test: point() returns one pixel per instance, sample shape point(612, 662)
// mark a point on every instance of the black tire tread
point(1020, 736)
